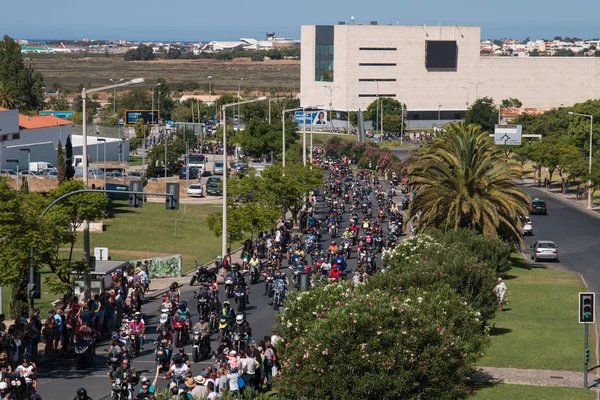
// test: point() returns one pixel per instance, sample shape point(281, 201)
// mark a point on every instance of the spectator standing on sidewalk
point(500, 291)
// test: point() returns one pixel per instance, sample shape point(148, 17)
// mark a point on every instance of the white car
point(527, 228)
point(195, 190)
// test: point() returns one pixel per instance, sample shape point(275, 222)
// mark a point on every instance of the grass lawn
point(539, 327)
point(524, 392)
point(135, 161)
point(45, 303)
point(152, 231)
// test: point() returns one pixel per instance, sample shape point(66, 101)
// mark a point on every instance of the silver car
point(218, 168)
point(544, 250)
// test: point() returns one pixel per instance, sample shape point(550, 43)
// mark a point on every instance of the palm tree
point(464, 181)
point(8, 95)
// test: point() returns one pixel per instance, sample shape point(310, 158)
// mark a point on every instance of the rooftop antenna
point(352, 20)
point(459, 31)
point(425, 29)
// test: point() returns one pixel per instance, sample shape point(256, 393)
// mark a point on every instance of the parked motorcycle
point(203, 274)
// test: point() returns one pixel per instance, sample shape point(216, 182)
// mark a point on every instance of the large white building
point(437, 71)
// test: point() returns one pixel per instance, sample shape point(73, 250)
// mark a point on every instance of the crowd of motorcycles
point(373, 222)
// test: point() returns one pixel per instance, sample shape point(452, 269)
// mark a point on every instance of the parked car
point(213, 179)
point(53, 174)
point(194, 173)
point(527, 228)
point(114, 174)
point(240, 167)
point(96, 173)
point(195, 190)
point(218, 168)
point(135, 175)
point(8, 172)
point(538, 207)
point(34, 174)
point(214, 189)
point(544, 250)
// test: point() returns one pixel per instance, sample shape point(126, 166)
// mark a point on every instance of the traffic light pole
point(586, 357)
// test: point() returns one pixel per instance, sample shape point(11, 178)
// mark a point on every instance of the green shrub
point(419, 344)
point(422, 261)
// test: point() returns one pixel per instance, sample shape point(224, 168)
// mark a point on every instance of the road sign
point(508, 135)
point(101, 253)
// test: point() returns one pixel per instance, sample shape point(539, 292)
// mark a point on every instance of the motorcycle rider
point(120, 347)
point(126, 373)
point(4, 392)
point(174, 293)
point(242, 327)
point(181, 354)
point(138, 327)
point(203, 296)
point(82, 394)
point(168, 336)
point(204, 329)
point(27, 371)
point(178, 370)
point(228, 313)
point(183, 313)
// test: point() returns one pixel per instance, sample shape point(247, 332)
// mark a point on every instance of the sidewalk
point(535, 377)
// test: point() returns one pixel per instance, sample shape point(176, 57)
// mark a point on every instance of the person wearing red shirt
point(335, 273)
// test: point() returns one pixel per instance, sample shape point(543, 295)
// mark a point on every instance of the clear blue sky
point(196, 20)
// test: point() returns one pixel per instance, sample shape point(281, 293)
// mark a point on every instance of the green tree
point(389, 106)
point(392, 123)
point(511, 103)
point(141, 129)
point(484, 113)
point(463, 181)
point(163, 97)
point(60, 230)
point(61, 168)
point(9, 97)
point(27, 82)
point(59, 103)
point(141, 53)
point(135, 99)
point(69, 168)
point(182, 113)
point(411, 344)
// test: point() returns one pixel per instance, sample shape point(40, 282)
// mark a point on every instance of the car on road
point(538, 206)
point(527, 228)
point(195, 190)
point(194, 172)
point(214, 189)
point(544, 250)
point(218, 168)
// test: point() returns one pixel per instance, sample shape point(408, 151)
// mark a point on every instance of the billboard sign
point(508, 135)
point(149, 117)
point(312, 117)
point(59, 114)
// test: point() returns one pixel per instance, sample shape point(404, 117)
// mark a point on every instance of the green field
point(524, 392)
point(539, 327)
point(70, 72)
point(152, 231)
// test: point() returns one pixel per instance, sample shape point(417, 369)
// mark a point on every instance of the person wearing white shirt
point(500, 291)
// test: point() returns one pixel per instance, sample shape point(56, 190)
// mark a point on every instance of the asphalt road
point(575, 231)
point(59, 380)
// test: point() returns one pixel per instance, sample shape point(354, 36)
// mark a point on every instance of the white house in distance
point(39, 133)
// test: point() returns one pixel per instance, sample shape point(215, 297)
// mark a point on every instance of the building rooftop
point(41, 121)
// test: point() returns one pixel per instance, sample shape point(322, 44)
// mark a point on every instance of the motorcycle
point(120, 390)
point(278, 293)
point(115, 357)
point(240, 298)
point(229, 287)
point(181, 333)
point(223, 328)
point(162, 354)
point(213, 322)
point(84, 353)
point(254, 275)
point(202, 306)
point(239, 341)
point(202, 274)
point(200, 345)
point(165, 319)
point(134, 344)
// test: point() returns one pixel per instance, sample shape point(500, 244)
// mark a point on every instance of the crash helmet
point(81, 392)
point(239, 319)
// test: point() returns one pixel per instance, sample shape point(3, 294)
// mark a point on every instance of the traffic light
point(34, 288)
point(172, 201)
point(136, 200)
point(586, 356)
point(587, 302)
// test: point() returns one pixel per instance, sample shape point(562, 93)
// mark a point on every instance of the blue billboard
point(59, 114)
point(149, 117)
point(312, 117)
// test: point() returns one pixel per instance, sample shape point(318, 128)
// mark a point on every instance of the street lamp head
point(27, 150)
point(136, 81)
point(571, 113)
point(262, 98)
point(209, 77)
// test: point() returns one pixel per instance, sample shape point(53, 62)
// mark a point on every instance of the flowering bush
point(424, 262)
point(372, 345)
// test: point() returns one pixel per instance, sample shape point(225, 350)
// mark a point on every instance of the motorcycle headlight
point(195, 336)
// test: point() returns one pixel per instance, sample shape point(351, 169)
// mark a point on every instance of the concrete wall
point(42, 142)
point(541, 82)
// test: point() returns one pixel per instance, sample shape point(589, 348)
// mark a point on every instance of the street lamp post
point(476, 84)
point(239, 99)
point(166, 165)
point(154, 87)
point(283, 133)
point(115, 94)
point(270, 100)
point(590, 191)
point(224, 123)
point(377, 114)
point(28, 166)
point(100, 140)
point(439, 116)
point(84, 93)
point(467, 90)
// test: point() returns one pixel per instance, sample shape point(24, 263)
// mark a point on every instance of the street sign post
point(508, 135)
